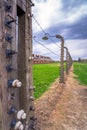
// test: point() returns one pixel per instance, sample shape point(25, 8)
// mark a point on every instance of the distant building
point(39, 59)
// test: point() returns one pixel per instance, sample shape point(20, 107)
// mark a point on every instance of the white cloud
point(49, 13)
point(53, 51)
point(75, 47)
point(76, 13)
point(65, 32)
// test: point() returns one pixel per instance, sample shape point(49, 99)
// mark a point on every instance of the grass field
point(80, 69)
point(43, 76)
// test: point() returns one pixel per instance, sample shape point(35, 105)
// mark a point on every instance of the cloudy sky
point(65, 17)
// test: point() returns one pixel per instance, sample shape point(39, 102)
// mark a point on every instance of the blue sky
point(65, 17)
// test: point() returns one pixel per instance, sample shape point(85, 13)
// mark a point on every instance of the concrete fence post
point(67, 60)
point(61, 59)
point(70, 61)
point(16, 85)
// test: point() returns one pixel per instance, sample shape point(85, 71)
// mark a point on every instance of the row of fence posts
point(27, 78)
point(68, 60)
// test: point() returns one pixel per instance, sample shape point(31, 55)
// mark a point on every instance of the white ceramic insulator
point(31, 87)
point(24, 116)
point(21, 127)
point(30, 15)
point(30, 58)
point(21, 115)
point(31, 97)
point(18, 125)
point(16, 83)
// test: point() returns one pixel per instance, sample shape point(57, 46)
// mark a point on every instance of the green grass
point(80, 69)
point(43, 76)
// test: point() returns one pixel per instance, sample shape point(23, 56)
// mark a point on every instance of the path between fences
point(63, 108)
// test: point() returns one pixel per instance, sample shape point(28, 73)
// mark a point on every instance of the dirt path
point(63, 108)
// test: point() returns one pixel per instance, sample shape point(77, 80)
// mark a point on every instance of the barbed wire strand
point(45, 47)
point(45, 31)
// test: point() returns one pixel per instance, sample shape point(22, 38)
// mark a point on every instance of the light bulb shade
point(45, 38)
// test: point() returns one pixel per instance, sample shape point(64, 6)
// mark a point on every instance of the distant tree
point(79, 59)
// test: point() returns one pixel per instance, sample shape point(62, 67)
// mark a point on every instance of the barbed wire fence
point(14, 101)
point(68, 57)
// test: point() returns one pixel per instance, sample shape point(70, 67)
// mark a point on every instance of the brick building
point(39, 59)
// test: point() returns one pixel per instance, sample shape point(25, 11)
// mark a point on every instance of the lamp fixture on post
point(61, 57)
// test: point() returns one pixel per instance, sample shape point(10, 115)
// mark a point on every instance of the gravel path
point(63, 108)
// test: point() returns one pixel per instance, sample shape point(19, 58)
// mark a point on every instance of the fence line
point(16, 87)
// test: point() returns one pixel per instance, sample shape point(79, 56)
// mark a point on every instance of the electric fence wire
point(45, 33)
point(42, 28)
point(45, 47)
point(20, 26)
point(40, 25)
point(36, 40)
point(44, 54)
point(37, 50)
point(42, 31)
